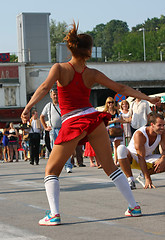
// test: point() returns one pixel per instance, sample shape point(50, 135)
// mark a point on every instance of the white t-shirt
point(126, 126)
point(139, 112)
point(52, 114)
point(148, 149)
point(34, 128)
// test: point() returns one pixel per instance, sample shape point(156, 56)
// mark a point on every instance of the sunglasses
point(110, 102)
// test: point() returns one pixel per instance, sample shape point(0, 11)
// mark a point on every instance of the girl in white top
point(126, 120)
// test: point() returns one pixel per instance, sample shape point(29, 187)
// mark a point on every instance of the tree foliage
point(13, 58)
point(118, 43)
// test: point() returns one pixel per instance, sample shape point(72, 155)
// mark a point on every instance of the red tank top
point(75, 95)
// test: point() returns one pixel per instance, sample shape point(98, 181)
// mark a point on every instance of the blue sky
point(88, 12)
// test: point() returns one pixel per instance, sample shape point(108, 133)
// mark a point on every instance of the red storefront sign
point(8, 72)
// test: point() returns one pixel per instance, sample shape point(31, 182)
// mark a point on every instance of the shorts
point(75, 126)
point(12, 143)
point(122, 152)
point(149, 161)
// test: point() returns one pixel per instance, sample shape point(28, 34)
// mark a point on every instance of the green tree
point(98, 39)
point(13, 58)
point(130, 47)
point(117, 42)
point(113, 32)
point(57, 33)
point(105, 35)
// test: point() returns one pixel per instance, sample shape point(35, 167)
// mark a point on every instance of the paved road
point(90, 205)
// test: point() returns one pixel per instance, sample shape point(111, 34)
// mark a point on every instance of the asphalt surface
point(90, 205)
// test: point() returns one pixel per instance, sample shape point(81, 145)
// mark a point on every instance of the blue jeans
point(53, 135)
point(68, 164)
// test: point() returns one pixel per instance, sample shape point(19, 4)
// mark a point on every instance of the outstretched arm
point(41, 91)
point(123, 89)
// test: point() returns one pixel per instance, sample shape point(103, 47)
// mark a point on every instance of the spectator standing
point(89, 152)
point(6, 153)
point(1, 145)
point(126, 120)
point(13, 142)
point(25, 142)
point(79, 157)
point(53, 113)
point(34, 138)
point(115, 122)
point(139, 112)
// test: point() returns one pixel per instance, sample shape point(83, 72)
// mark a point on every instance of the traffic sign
point(119, 97)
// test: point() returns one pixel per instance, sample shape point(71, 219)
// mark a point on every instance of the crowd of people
point(36, 139)
point(18, 142)
point(9, 143)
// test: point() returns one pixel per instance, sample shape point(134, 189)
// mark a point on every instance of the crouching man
point(139, 153)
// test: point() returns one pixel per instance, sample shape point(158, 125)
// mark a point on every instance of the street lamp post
point(161, 52)
point(144, 45)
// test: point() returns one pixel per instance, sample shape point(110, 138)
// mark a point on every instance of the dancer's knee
point(53, 169)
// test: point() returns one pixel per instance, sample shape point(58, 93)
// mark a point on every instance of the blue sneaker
point(133, 212)
point(50, 220)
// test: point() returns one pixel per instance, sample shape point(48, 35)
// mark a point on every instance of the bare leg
point(25, 155)
point(16, 152)
point(11, 153)
point(60, 154)
point(92, 162)
point(58, 157)
point(125, 165)
point(97, 162)
point(100, 142)
point(4, 153)
point(116, 144)
point(8, 153)
point(158, 166)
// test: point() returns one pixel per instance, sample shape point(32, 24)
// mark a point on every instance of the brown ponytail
point(79, 44)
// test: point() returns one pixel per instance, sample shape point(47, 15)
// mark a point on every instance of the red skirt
point(75, 126)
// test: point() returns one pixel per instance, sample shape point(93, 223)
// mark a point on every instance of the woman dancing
point(80, 121)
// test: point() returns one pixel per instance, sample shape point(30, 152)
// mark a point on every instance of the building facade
point(12, 92)
point(18, 82)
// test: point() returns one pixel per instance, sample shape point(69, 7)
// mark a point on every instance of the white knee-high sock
point(121, 183)
point(52, 191)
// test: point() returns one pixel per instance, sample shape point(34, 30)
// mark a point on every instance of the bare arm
point(116, 120)
point(42, 119)
point(162, 144)
point(41, 91)
point(139, 141)
point(159, 165)
point(127, 120)
point(122, 89)
point(4, 132)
